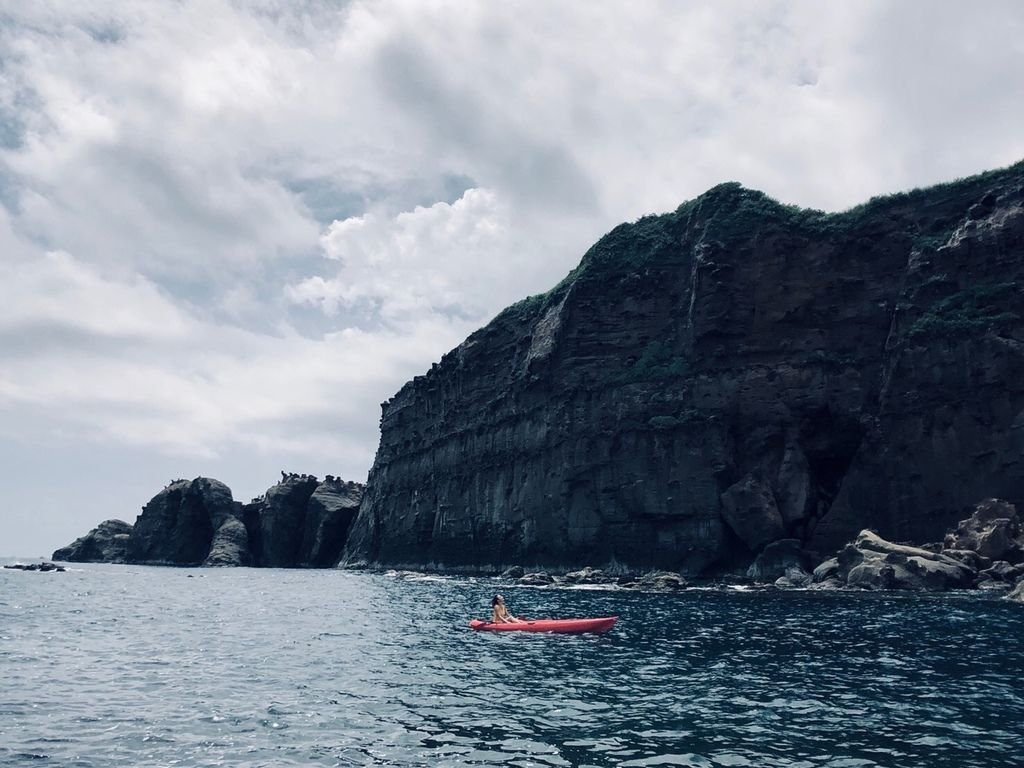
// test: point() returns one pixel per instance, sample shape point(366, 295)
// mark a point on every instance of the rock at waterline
point(993, 531)
point(871, 562)
point(106, 543)
point(782, 559)
point(37, 567)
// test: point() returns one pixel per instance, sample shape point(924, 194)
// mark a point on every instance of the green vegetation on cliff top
point(730, 211)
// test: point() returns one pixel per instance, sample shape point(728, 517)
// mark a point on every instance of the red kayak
point(564, 626)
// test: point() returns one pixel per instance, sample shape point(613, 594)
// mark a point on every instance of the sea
point(114, 665)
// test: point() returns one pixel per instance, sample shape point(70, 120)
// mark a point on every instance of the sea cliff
point(710, 381)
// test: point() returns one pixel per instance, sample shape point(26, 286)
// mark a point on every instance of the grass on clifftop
point(968, 312)
point(730, 211)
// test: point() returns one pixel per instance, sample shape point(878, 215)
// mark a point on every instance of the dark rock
point(968, 557)
point(794, 577)
point(182, 523)
point(539, 579)
point(230, 545)
point(867, 368)
point(993, 531)
point(38, 567)
point(329, 514)
point(515, 572)
point(301, 522)
point(277, 522)
point(826, 584)
point(750, 510)
point(106, 543)
point(1002, 571)
point(827, 570)
point(588, 576)
point(1017, 593)
point(777, 559)
point(662, 582)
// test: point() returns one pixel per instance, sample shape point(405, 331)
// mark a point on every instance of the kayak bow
point(562, 626)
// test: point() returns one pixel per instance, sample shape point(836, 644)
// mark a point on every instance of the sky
point(230, 229)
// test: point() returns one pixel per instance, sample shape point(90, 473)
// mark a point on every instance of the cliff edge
point(709, 381)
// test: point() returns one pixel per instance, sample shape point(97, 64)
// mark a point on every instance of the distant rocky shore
point(300, 522)
point(43, 567)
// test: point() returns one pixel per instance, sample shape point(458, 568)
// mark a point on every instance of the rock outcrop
point(871, 562)
point(186, 522)
point(993, 531)
point(106, 543)
point(711, 380)
point(37, 567)
point(303, 522)
point(299, 522)
point(964, 559)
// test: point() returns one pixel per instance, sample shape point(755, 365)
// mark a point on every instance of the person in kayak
point(499, 612)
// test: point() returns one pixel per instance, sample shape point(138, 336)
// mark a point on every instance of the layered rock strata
point(711, 380)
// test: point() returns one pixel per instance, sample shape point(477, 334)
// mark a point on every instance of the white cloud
point(172, 175)
point(457, 260)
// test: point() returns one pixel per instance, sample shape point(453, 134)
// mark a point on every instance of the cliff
point(715, 379)
point(299, 522)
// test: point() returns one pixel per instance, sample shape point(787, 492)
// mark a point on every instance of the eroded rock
point(871, 562)
point(106, 543)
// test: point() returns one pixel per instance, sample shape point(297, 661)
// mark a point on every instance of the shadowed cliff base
point(714, 380)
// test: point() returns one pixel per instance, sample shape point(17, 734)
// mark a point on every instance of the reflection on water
point(120, 665)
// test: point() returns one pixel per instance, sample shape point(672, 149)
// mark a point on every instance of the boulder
point(871, 562)
point(968, 557)
point(515, 572)
point(777, 559)
point(661, 581)
point(1002, 571)
point(106, 543)
point(749, 508)
point(588, 575)
point(539, 579)
point(795, 577)
point(993, 531)
point(1017, 593)
point(827, 571)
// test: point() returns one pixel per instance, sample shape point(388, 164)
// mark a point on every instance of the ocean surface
point(134, 666)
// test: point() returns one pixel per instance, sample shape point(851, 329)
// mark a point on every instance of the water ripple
point(128, 666)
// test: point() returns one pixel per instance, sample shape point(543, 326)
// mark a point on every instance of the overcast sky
point(230, 230)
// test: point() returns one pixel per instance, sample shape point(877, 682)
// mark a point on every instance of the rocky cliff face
point(190, 522)
point(106, 543)
point(299, 522)
point(729, 374)
point(302, 522)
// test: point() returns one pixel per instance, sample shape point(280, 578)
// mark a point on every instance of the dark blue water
point(120, 665)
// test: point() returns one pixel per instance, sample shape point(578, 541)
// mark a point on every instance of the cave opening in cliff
point(829, 440)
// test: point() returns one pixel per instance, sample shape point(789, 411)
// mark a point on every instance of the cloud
point(454, 260)
point(230, 228)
